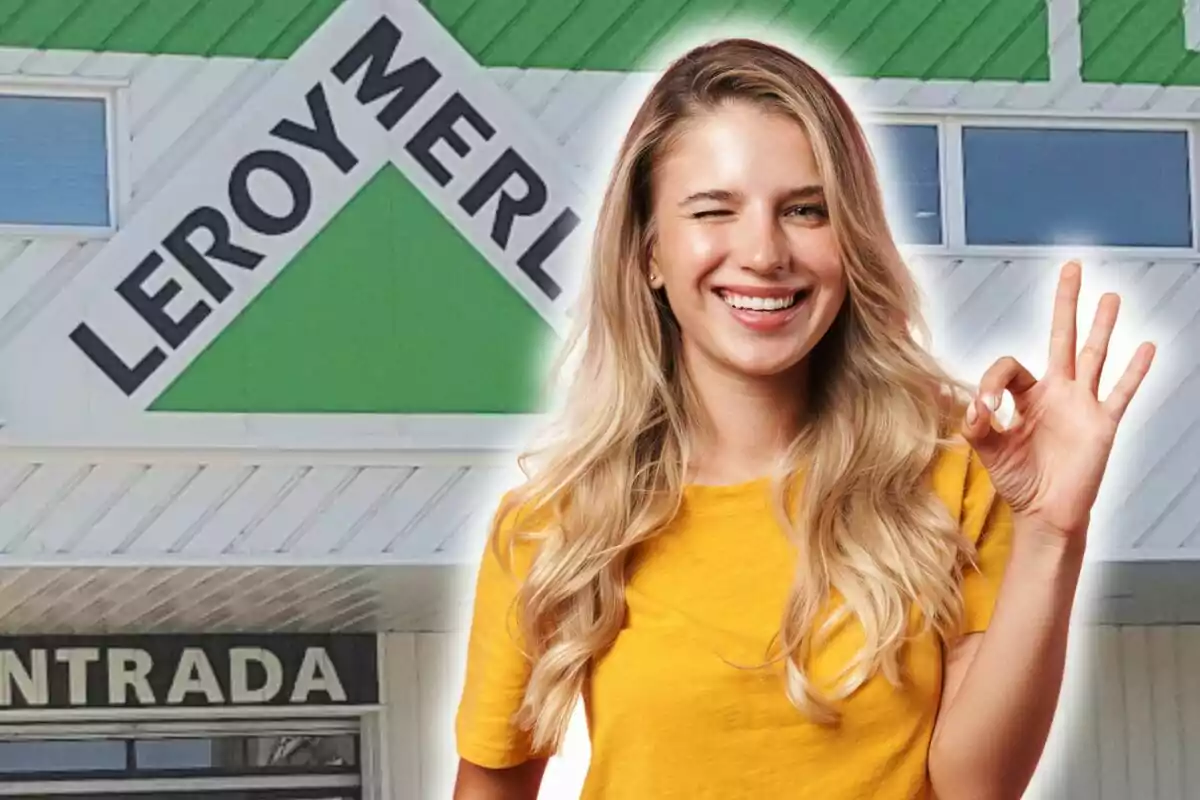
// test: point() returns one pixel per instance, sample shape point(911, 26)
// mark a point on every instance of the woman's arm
point(1001, 686)
point(514, 783)
point(496, 757)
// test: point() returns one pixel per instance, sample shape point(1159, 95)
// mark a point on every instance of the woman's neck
point(745, 423)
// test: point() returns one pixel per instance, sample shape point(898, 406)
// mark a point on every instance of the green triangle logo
point(389, 309)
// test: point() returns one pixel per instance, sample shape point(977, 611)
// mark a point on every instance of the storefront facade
point(131, 747)
point(274, 288)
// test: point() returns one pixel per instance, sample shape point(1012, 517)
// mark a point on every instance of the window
point(1045, 186)
point(248, 753)
point(911, 176)
point(54, 161)
point(174, 761)
point(60, 756)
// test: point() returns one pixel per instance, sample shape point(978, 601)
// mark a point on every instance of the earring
point(655, 281)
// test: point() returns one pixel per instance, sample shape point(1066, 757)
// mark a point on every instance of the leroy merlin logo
point(507, 191)
point(379, 88)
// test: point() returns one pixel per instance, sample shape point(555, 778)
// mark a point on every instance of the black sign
point(176, 670)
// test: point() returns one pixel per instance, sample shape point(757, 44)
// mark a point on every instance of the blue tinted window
point(61, 756)
point(175, 753)
point(53, 161)
point(1060, 186)
point(912, 185)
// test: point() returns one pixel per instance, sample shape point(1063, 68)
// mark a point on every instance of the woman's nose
point(762, 246)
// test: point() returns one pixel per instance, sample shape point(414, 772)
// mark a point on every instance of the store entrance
point(234, 760)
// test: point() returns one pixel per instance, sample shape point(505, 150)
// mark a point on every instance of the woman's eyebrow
point(809, 191)
point(805, 192)
point(714, 195)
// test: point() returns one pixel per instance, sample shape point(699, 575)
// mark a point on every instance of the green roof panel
point(246, 28)
point(1137, 42)
point(1005, 39)
point(924, 39)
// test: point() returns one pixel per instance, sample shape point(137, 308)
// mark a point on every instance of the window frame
point(1077, 124)
point(114, 95)
point(187, 787)
point(938, 123)
point(371, 722)
point(953, 165)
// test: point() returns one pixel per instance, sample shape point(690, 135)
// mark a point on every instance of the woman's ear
point(654, 278)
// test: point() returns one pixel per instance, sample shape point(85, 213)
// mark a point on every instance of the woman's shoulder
point(951, 463)
point(520, 511)
point(960, 479)
point(518, 524)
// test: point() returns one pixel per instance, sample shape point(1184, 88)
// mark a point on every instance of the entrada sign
point(504, 194)
point(176, 670)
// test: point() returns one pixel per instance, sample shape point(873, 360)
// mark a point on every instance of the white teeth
point(758, 303)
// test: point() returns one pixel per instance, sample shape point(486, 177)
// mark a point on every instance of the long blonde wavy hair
point(868, 529)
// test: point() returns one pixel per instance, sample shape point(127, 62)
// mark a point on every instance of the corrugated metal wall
point(173, 103)
point(1129, 726)
point(153, 508)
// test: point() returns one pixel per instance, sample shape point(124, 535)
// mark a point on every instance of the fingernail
point(972, 414)
point(992, 401)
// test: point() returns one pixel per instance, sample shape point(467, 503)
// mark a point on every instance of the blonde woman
point(777, 551)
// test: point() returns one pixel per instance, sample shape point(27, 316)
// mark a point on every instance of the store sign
point(176, 670)
point(207, 242)
point(377, 87)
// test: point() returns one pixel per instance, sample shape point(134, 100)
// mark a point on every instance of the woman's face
point(744, 248)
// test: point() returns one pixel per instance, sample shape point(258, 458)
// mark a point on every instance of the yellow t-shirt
point(670, 717)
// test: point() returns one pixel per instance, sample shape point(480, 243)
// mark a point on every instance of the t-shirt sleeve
point(497, 669)
point(987, 521)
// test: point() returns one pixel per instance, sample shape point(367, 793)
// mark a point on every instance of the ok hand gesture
point(1049, 462)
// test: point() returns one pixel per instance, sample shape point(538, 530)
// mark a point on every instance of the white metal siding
point(1129, 726)
point(170, 104)
point(238, 507)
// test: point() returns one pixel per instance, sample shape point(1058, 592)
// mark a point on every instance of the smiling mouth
point(762, 304)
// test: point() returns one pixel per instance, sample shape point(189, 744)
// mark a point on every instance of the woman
point(774, 547)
